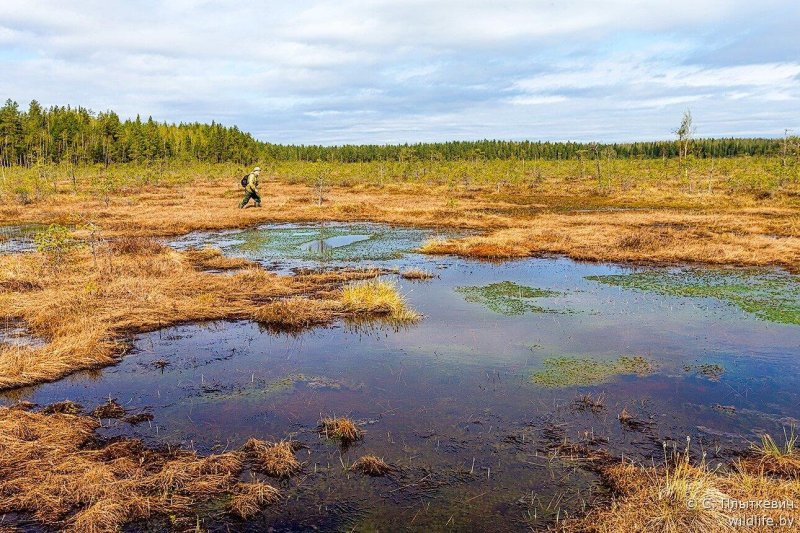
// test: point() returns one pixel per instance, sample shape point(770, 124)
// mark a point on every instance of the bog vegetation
point(97, 275)
point(42, 147)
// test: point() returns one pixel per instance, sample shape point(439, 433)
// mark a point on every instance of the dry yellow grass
point(371, 465)
point(340, 428)
point(276, 460)
point(83, 303)
point(371, 298)
point(742, 238)
point(684, 497)
point(250, 498)
point(656, 220)
point(416, 274)
point(53, 467)
point(377, 297)
point(297, 313)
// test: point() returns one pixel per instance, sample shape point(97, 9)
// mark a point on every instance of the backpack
point(244, 180)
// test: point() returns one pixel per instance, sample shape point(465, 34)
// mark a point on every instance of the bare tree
point(684, 134)
point(596, 152)
point(785, 144)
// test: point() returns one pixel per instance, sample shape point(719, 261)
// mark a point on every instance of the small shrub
point(55, 241)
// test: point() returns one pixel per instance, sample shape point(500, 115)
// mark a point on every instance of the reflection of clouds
point(355, 71)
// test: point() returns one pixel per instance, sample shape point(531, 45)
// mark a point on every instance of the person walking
point(251, 189)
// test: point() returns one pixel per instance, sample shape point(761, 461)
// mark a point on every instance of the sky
point(348, 71)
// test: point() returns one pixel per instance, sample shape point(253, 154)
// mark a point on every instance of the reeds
point(594, 404)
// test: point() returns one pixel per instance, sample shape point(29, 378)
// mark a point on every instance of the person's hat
point(257, 169)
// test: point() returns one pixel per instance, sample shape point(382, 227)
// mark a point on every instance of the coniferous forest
point(39, 135)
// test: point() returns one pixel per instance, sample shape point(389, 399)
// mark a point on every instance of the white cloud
point(536, 100)
point(380, 70)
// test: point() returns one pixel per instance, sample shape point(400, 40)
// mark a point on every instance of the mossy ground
point(571, 371)
point(770, 296)
point(507, 298)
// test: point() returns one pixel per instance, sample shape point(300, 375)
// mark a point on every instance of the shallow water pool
point(468, 403)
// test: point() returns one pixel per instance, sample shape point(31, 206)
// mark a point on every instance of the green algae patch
point(271, 388)
point(711, 371)
point(507, 298)
point(572, 371)
point(770, 296)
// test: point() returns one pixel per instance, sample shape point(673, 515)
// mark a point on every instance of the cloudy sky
point(379, 71)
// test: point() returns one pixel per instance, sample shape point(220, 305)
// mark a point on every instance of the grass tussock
point(476, 247)
point(84, 303)
point(377, 297)
point(782, 460)
point(296, 313)
point(371, 465)
point(250, 498)
point(340, 428)
point(276, 460)
point(681, 496)
point(110, 409)
point(66, 407)
point(417, 274)
point(54, 467)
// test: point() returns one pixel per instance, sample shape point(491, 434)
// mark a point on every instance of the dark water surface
point(452, 402)
point(19, 238)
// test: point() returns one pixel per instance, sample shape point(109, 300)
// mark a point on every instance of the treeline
point(77, 135)
point(66, 134)
point(503, 150)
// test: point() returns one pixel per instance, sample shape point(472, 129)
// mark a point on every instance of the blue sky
point(347, 71)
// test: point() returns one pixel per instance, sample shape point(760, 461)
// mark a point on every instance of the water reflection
point(452, 401)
